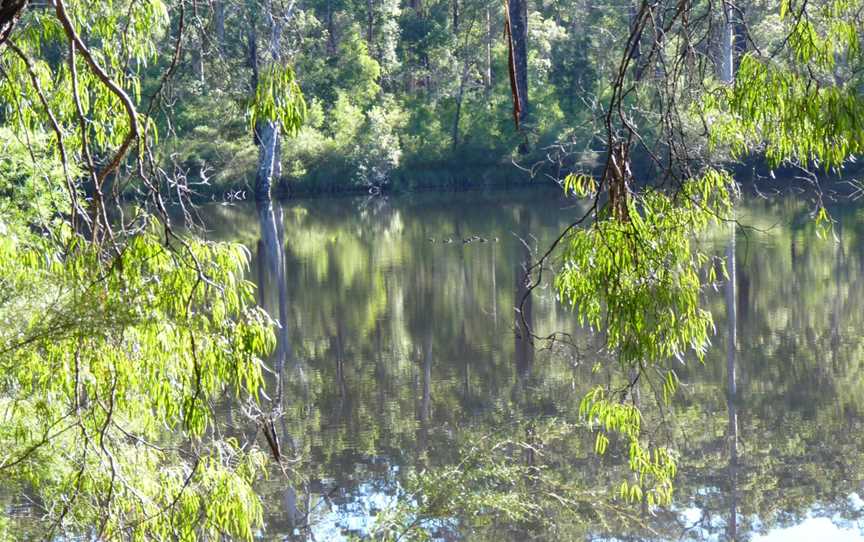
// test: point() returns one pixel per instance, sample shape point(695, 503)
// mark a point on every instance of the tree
point(517, 32)
point(278, 104)
point(629, 267)
point(121, 326)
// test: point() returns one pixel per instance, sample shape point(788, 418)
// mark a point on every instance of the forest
point(431, 270)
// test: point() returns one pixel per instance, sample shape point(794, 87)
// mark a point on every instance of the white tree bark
point(269, 159)
point(726, 62)
point(269, 132)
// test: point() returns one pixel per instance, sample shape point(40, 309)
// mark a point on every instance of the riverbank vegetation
point(124, 325)
point(418, 94)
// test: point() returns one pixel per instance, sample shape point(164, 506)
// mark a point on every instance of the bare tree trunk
point(269, 132)
point(732, 386)
point(459, 98)
point(331, 31)
point(370, 23)
point(487, 72)
point(726, 60)
point(518, 11)
point(636, 53)
point(198, 57)
point(219, 22)
point(493, 272)
point(426, 401)
point(272, 266)
point(660, 43)
point(252, 59)
point(275, 34)
point(455, 16)
point(740, 44)
point(426, 286)
point(269, 155)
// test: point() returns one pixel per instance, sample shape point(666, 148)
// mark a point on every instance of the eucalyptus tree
point(629, 266)
point(278, 103)
point(120, 333)
point(516, 29)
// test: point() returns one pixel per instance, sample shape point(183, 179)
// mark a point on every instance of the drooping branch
point(133, 135)
point(10, 12)
point(134, 130)
point(77, 211)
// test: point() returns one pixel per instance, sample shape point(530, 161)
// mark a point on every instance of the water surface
point(401, 336)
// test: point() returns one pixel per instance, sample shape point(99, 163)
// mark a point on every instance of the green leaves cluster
point(803, 121)
point(580, 185)
point(129, 38)
point(99, 355)
point(278, 98)
point(815, 112)
point(654, 468)
point(638, 280)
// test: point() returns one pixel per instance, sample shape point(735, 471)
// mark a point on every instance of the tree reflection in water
point(402, 372)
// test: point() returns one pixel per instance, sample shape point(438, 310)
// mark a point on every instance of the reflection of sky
point(380, 333)
point(337, 521)
point(810, 530)
point(356, 516)
point(815, 527)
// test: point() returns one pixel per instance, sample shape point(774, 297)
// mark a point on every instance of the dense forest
point(419, 95)
point(636, 354)
point(396, 95)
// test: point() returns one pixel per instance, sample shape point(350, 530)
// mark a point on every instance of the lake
point(402, 345)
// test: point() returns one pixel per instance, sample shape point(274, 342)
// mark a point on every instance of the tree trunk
point(370, 23)
point(269, 164)
point(487, 71)
point(269, 132)
point(219, 22)
point(455, 17)
point(660, 40)
point(740, 45)
point(518, 11)
point(198, 56)
point(726, 50)
point(331, 31)
point(275, 34)
point(732, 386)
point(272, 275)
point(636, 53)
point(459, 98)
point(252, 63)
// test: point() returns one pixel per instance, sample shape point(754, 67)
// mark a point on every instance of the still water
point(401, 344)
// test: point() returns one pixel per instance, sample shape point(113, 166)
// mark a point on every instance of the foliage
point(654, 469)
point(118, 335)
point(278, 98)
point(31, 85)
point(32, 187)
point(639, 279)
point(636, 277)
point(813, 116)
point(100, 356)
